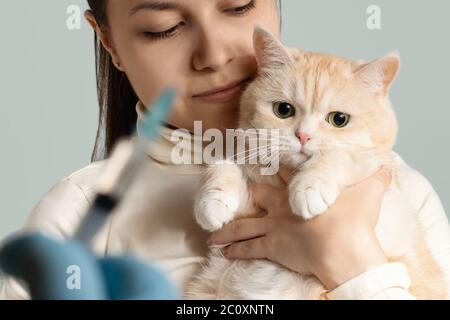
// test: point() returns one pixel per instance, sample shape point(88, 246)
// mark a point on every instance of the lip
point(223, 94)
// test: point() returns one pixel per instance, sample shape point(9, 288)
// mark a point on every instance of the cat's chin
point(295, 160)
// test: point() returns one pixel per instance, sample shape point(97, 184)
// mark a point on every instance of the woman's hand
point(335, 246)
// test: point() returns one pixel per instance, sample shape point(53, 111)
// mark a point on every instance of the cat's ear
point(270, 53)
point(378, 75)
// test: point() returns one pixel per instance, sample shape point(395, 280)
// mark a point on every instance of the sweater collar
point(169, 141)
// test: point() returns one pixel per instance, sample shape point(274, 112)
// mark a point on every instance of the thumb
point(383, 177)
point(373, 189)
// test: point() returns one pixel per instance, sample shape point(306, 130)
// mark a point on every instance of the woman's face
point(202, 46)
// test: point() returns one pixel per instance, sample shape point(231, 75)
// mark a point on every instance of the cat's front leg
point(220, 194)
point(317, 185)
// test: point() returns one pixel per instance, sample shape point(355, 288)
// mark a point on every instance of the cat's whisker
point(258, 154)
point(270, 159)
point(264, 132)
point(263, 159)
point(273, 154)
point(266, 139)
point(250, 156)
point(258, 149)
point(255, 155)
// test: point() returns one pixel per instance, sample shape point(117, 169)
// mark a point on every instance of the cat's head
point(320, 102)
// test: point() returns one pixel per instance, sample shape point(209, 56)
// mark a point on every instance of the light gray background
point(48, 106)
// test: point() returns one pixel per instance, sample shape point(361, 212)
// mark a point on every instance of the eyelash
point(164, 34)
point(244, 9)
point(240, 11)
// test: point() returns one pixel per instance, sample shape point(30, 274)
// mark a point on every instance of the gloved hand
point(56, 270)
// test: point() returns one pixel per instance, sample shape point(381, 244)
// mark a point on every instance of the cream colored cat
point(336, 127)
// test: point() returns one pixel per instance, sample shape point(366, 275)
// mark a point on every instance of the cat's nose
point(303, 137)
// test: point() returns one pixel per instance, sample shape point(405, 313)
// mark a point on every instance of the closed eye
point(243, 9)
point(164, 34)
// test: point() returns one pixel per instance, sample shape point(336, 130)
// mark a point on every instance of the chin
point(217, 116)
point(293, 159)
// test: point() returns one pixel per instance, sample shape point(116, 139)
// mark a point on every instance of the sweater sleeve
point(389, 281)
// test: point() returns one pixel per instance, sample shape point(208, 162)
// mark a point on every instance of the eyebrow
point(154, 5)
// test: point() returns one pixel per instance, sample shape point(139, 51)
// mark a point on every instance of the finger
point(379, 182)
point(384, 175)
point(285, 174)
point(264, 195)
point(239, 230)
point(372, 189)
point(250, 249)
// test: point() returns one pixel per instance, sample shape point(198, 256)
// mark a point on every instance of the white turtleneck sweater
point(155, 222)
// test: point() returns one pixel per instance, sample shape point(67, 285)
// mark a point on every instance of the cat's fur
point(316, 84)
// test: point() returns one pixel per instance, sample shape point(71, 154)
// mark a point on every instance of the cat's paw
point(215, 209)
point(309, 199)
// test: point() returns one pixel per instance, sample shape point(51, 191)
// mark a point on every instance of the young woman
point(205, 46)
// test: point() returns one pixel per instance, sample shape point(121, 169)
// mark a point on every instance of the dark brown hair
point(116, 97)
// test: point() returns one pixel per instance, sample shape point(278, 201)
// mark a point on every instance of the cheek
point(146, 82)
point(256, 113)
point(348, 138)
point(291, 142)
point(268, 16)
point(152, 67)
point(239, 31)
point(324, 136)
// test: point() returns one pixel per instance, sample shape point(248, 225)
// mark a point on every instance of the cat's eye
point(283, 110)
point(338, 119)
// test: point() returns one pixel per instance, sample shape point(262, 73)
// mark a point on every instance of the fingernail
point(387, 171)
point(386, 178)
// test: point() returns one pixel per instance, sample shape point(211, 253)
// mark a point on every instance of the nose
point(212, 52)
point(303, 137)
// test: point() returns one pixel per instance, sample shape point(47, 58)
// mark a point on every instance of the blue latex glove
point(56, 270)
